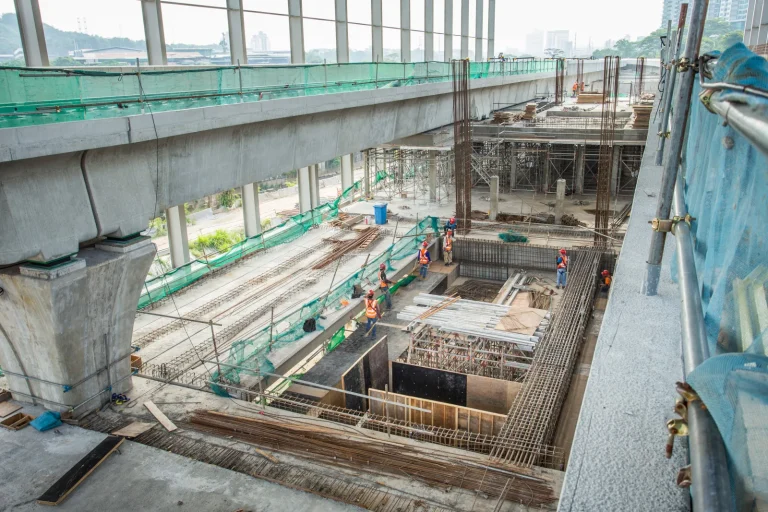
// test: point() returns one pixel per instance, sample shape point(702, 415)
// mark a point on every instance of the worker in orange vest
point(607, 280)
point(562, 268)
point(448, 247)
point(384, 285)
point(372, 313)
point(575, 88)
point(424, 260)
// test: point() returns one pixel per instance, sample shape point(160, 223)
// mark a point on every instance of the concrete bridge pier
point(65, 327)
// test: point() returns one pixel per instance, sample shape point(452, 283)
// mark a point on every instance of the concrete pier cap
point(65, 328)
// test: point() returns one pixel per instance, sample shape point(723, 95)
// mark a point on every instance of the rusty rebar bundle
point(559, 81)
point(462, 140)
point(607, 137)
point(639, 78)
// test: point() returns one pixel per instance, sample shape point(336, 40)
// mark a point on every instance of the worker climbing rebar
point(372, 313)
point(384, 285)
point(424, 260)
point(448, 247)
point(607, 279)
point(562, 268)
point(450, 225)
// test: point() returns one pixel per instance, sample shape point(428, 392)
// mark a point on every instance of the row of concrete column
point(36, 54)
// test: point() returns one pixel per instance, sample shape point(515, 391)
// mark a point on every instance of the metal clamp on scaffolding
point(666, 225)
point(685, 64)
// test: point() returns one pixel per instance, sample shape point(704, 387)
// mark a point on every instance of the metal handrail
point(711, 489)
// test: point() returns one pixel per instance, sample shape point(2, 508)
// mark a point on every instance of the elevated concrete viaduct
point(108, 177)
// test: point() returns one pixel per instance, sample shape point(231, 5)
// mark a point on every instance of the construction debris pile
point(641, 116)
point(590, 97)
point(505, 117)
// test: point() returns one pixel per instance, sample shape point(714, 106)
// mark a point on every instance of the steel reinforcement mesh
point(533, 417)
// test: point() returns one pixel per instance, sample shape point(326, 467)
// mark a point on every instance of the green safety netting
point(340, 335)
point(40, 96)
point(249, 355)
point(172, 281)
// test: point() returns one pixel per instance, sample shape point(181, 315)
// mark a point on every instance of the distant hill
point(60, 42)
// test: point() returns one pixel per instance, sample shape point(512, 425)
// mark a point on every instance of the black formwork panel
point(496, 260)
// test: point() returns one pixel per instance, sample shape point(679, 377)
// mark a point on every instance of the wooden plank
point(158, 414)
point(7, 408)
point(133, 430)
point(80, 471)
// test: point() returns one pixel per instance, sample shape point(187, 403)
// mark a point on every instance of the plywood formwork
point(441, 414)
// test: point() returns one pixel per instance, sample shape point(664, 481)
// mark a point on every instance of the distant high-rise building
point(559, 39)
point(534, 44)
point(733, 11)
point(260, 42)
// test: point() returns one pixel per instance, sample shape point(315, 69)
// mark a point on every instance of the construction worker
point(424, 260)
point(575, 89)
point(448, 247)
point(582, 86)
point(384, 285)
point(562, 268)
point(372, 313)
point(451, 225)
point(607, 280)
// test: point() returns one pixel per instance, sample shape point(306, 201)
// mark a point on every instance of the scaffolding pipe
point(754, 129)
point(669, 91)
point(679, 122)
point(711, 489)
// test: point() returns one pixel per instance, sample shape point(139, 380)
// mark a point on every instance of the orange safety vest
point(563, 262)
point(608, 280)
point(449, 244)
point(575, 86)
point(370, 308)
point(423, 256)
point(382, 283)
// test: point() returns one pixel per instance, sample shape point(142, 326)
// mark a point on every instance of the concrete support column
point(342, 32)
point(251, 209)
point(546, 176)
point(377, 32)
point(512, 166)
point(405, 30)
point(494, 211)
point(176, 222)
point(296, 31)
point(491, 27)
point(578, 184)
point(429, 30)
point(448, 28)
point(347, 172)
point(71, 325)
point(479, 32)
point(314, 185)
point(464, 29)
point(237, 46)
point(154, 35)
point(367, 174)
point(615, 170)
point(31, 32)
point(433, 177)
point(559, 201)
point(305, 191)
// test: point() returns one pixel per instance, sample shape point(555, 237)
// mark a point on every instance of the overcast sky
point(598, 20)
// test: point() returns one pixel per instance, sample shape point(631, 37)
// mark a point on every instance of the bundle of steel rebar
point(364, 453)
point(365, 237)
point(536, 408)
